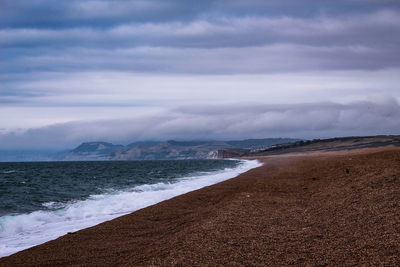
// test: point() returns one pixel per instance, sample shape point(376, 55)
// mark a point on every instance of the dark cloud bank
point(169, 36)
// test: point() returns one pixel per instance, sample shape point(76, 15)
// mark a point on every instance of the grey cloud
point(81, 54)
point(93, 13)
point(213, 122)
point(373, 30)
point(105, 13)
point(264, 59)
point(228, 45)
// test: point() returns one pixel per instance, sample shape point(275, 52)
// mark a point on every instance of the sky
point(138, 70)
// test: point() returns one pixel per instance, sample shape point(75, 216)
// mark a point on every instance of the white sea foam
point(26, 230)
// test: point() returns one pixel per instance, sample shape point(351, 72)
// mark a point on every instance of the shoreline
point(334, 208)
point(40, 226)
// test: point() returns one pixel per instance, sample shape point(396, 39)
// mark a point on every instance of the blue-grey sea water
point(40, 201)
point(29, 186)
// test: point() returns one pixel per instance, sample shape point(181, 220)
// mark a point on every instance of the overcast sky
point(128, 70)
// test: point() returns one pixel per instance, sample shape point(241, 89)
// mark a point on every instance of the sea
point(40, 201)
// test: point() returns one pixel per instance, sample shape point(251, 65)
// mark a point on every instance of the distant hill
point(260, 143)
point(91, 151)
point(156, 150)
point(165, 150)
point(331, 144)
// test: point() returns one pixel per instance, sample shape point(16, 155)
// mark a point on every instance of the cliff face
point(166, 150)
point(169, 150)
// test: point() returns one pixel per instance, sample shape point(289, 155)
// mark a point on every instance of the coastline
point(325, 208)
point(26, 230)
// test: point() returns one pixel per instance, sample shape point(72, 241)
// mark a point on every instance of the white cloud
point(136, 89)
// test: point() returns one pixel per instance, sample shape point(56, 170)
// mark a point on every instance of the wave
point(8, 171)
point(18, 232)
